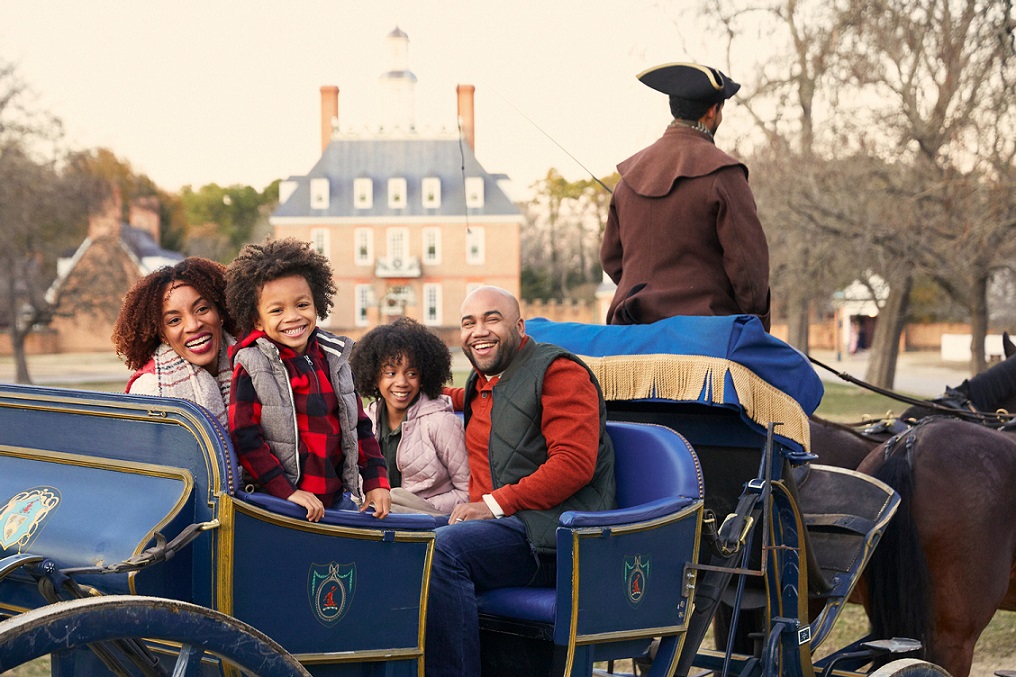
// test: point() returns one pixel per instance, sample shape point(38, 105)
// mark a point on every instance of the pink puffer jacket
point(432, 454)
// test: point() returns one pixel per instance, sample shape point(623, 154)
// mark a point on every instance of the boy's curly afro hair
point(390, 343)
point(258, 264)
point(138, 329)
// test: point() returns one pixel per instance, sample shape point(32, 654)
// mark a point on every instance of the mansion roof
point(410, 158)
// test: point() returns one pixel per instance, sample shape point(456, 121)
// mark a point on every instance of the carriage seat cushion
point(346, 518)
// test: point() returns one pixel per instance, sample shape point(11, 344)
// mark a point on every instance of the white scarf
point(176, 377)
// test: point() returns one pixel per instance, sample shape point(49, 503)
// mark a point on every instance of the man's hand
point(470, 511)
point(315, 508)
point(382, 500)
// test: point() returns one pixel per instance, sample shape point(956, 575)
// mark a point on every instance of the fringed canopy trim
point(699, 378)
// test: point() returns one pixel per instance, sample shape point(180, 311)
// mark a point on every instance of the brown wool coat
point(683, 223)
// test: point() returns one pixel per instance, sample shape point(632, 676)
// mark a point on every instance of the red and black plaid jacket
point(318, 430)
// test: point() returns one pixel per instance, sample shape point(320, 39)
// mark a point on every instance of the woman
point(174, 331)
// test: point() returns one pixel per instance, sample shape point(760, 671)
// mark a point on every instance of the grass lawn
point(849, 403)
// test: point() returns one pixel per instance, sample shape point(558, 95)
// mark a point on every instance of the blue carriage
point(128, 546)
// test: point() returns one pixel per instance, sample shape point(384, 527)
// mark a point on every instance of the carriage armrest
point(345, 518)
point(638, 513)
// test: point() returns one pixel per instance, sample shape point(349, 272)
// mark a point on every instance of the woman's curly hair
point(138, 329)
point(390, 343)
point(258, 264)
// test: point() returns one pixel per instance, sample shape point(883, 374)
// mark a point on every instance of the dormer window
point(431, 190)
point(397, 193)
point(474, 191)
point(363, 193)
point(319, 193)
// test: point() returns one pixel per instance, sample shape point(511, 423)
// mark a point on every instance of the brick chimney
point(105, 221)
point(144, 214)
point(465, 95)
point(329, 113)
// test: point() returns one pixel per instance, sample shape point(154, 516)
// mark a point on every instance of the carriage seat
point(654, 530)
point(344, 518)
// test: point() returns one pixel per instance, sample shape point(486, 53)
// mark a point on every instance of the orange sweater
point(571, 426)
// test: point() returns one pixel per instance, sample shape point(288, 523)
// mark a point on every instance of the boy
point(297, 424)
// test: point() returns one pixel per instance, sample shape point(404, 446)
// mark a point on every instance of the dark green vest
point(517, 446)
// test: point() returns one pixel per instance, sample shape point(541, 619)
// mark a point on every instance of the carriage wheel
point(199, 631)
point(909, 667)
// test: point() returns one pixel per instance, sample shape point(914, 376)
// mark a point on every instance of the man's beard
point(503, 355)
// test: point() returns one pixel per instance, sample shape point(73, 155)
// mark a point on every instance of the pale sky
point(201, 91)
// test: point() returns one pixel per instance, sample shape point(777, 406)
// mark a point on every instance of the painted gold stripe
point(359, 656)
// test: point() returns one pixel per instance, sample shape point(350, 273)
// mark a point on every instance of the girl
point(403, 366)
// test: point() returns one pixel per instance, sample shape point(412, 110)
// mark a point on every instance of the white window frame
point(432, 235)
point(474, 192)
point(397, 243)
point(320, 196)
point(476, 253)
point(361, 304)
point(363, 246)
point(320, 240)
point(430, 192)
point(363, 193)
point(396, 193)
point(432, 304)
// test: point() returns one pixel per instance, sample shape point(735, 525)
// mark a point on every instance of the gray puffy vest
point(517, 446)
point(278, 412)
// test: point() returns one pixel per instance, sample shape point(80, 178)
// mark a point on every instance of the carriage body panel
point(727, 409)
point(117, 469)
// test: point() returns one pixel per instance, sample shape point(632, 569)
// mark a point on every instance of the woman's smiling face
point(191, 325)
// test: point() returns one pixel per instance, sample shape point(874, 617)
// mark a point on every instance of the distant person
point(683, 235)
point(402, 366)
point(298, 425)
point(174, 331)
point(538, 446)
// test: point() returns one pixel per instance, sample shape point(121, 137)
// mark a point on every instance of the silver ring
point(460, 519)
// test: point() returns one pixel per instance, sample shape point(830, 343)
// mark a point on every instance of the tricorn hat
point(690, 81)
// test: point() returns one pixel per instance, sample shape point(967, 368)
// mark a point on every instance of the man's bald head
point(492, 296)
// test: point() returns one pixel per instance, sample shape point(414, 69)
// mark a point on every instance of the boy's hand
point(382, 500)
point(315, 508)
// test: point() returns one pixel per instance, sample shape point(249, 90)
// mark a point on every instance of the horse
point(948, 559)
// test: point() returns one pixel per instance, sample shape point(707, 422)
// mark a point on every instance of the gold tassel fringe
point(691, 377)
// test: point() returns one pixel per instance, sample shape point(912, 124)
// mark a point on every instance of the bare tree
point(28, 178)
point(43, 211)
point(947, 69)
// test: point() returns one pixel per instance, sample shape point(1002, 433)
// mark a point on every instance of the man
point(538, 446)
point(683, 235)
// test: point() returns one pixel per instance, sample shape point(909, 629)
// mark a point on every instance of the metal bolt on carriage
point(128, 546)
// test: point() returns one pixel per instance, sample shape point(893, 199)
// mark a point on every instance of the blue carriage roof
point(726, 361)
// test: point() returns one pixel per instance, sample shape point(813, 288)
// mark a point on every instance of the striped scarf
point(176, 377)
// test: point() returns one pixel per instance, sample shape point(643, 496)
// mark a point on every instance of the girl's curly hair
point(138, 328)
point(390, 343)
point(258, 264)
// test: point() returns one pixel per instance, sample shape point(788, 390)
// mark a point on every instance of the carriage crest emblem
point(636, 576)
point(24, 513)
point(331, 587)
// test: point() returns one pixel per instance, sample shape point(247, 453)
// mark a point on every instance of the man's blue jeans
point(470, 557)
